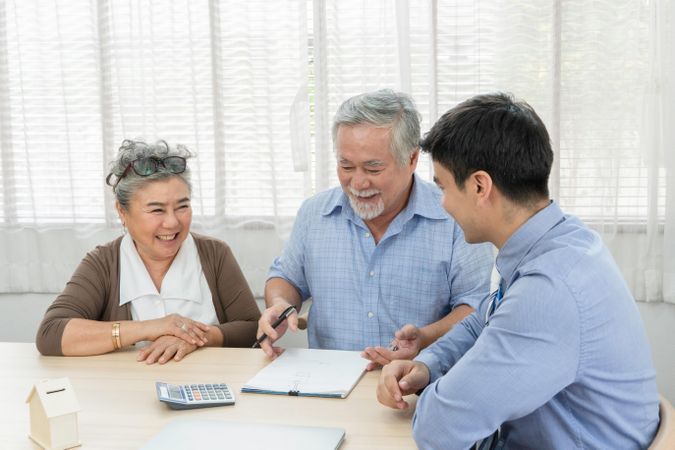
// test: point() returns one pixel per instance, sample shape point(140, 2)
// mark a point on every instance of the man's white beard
point(366, 211)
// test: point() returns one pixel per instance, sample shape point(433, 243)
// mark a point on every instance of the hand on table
point(164, 349)
point(190, 331)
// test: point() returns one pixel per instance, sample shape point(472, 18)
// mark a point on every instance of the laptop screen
point(194, 433)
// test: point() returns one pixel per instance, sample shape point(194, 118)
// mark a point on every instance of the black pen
point(284, 315)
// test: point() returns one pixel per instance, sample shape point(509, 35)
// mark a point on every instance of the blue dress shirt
point(563, 363)
point(361, 292)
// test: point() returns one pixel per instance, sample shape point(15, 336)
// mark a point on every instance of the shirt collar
point(424, 201)
point(525, 237)
point(181, 281)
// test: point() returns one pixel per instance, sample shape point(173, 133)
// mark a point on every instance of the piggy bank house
point(53, 414)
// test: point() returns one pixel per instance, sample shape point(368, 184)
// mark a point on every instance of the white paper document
point(310, 372)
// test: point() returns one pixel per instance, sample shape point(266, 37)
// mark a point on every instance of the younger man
point(558, 358)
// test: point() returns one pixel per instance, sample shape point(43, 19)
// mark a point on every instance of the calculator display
point(175, 392)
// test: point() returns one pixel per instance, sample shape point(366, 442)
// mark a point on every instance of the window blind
point(218, 77)
point(251, 87)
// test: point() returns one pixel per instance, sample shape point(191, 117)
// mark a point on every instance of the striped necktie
point(495, 302)
point(490, 442)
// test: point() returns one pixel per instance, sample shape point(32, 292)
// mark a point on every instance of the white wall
point(659, 320)
point(20, 316)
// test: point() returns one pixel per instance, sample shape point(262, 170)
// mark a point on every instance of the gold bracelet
point(117, 342)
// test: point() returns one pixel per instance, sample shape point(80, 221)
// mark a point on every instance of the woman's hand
point(165, 348)
point(190, 331)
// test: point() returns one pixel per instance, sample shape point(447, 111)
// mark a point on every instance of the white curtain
point(656, 266)
point(224, 78)
point(252, 87)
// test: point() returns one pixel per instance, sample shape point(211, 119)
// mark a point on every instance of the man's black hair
point(499, 135)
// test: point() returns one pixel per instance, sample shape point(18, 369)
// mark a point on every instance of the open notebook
point(189, 434)
point(310, 372)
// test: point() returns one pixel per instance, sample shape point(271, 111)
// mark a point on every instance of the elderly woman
point(158, 282)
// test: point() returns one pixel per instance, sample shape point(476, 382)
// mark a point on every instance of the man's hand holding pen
point(407, 344)
point(273, 323)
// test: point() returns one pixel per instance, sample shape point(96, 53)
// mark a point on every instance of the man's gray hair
point(387, 109)
point(128, 182)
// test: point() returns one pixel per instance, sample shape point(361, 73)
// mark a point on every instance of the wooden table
point(120, 408)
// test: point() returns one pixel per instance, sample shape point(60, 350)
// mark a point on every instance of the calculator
point(191, 396)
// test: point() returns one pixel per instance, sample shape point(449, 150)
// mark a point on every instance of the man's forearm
point(433, 331)
point(278, 289)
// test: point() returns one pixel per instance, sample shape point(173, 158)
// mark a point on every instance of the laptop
point(194, 433)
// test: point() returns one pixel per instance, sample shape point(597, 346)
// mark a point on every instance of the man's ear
point(414, 158)
point(481, 184)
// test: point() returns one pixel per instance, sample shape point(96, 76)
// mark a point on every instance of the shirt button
point(367, 235)
point(370, 314)
point(372, 273)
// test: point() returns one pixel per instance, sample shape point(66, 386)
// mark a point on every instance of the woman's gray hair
point(131, 150)
point(388, 109)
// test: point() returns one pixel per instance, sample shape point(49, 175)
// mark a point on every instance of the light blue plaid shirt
point(564, 362)
point(361, 292)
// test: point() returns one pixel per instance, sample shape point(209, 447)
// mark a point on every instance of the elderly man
point(380, 252)
point(558, 358)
